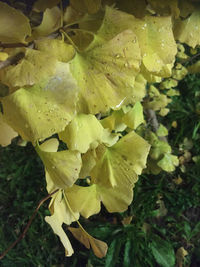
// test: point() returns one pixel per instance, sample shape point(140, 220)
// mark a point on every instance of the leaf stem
point(70, 40)
point(27, 226)
point(79, 224)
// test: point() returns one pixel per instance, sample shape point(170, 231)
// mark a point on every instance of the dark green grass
point(22, 186)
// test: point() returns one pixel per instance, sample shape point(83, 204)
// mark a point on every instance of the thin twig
point(154, 122)
point(27, 226)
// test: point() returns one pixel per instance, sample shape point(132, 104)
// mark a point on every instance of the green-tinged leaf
point(99, 247)
point(106, 72)
point(14, 25)
point(188, 30)
point(42, 5)
point(63, 167)
point(168, 162)
point(162, 252)
point(113, 252)
point(6, 132)
point(162, 130)
point(40, 111)
point(159, 148)
point(83, 132)
point(33, 68)
point(61, 214)
point(134, 117)
point(51, 22)
point(56, 48)
point(158, 102)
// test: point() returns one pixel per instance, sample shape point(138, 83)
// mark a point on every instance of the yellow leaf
point(14, 25)
point(123, 161)
point(33, 68)
point(165, 8)
point(106, 72)
point(6, 133)
point(154, 35)
point(168, 162)
point(162, 130)
point(40, 111)
point(86, 6)
point(61, 214)
point(135, 7)
point(42, 5)
point(3, 56)
point(114, 121)
point(63, 167)
point(51, 22)
point(188, 30)
point(99, 247)
point(181, 253)
point(88, 163)
point(134, 117)
point(83, 132)
point(84, 200)
point(194, 68)
point(127, 220)
point(56, 48)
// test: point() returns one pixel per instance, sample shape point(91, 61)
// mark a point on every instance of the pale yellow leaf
point(6, 132)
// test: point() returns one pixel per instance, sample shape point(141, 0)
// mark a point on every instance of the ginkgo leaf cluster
point(86, 76)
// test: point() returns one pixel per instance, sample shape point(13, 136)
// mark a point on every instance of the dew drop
point(126, 65)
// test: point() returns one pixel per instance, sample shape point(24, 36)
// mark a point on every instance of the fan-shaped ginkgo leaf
point(121, 162)
point(51, 22)
point(61, 214)
point(168, 162)
point(56, 48)
point(63, 166)
point(99, 247)
point(134, 117)
point(40, 111)
point(86, 6)
point(165, 8)
point(106, 72)
point(33, 68)
point(14, 25)
point(188, 30)
point(84, 200)
point(6, 132)
point(42, 5)
point(154, 35)
point(82, 133)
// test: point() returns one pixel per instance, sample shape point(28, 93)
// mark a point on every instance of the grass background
point(150, 239)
